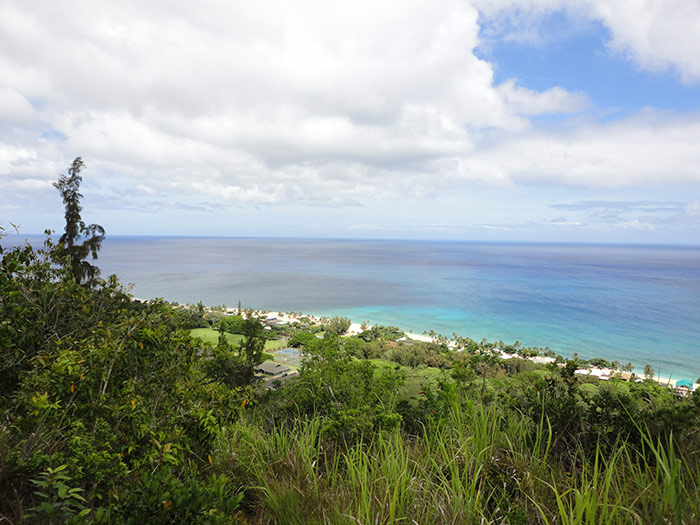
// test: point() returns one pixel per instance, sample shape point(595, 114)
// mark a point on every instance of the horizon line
point(387, 239)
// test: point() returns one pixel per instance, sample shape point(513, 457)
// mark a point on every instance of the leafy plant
point(59, 500)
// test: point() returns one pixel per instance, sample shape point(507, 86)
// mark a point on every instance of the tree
point(233, 324)
point(648, 372)
point(223, 341)
point(339, 325)
point(78, 240)
point(253, 344)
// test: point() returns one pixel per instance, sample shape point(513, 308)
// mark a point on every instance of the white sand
point(356, 328)
point(420, 337)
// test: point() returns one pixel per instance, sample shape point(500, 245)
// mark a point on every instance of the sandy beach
point(357, 328)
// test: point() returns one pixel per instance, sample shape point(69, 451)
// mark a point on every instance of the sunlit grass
point(477, 464)
point(209, 335)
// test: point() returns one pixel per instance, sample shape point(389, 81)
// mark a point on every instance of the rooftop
point(272, 369)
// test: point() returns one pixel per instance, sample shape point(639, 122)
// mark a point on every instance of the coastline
point(638, 304)
point(602, 374)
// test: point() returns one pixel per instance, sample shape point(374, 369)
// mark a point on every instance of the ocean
point(630, 303)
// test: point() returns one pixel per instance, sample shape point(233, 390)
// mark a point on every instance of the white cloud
point(312, 102)
point(147, 190)
point(648, 149)
point(634, 225)
point(14, 108)
point(693, 209)
point(255, 102)
point(655, 34)
point(524, 101)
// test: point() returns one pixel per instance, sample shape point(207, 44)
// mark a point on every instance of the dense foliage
point(108, 397)
point(111, 412)
point(233, 324)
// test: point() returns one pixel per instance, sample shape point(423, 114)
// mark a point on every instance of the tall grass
point(475, 464)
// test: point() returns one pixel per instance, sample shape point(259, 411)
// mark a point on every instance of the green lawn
point(210, 335)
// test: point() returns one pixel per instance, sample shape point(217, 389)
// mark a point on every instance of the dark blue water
point(625, 303)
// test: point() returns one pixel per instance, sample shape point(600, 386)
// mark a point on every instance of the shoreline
point(602, 373)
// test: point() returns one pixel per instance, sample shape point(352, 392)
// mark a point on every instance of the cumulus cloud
point(258, 103)
point(312, 102)
point(647, 149)
point(14, 108)
point(524, 101)
point(655, 34)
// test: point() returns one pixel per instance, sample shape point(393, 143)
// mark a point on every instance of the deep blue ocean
point(621, 302)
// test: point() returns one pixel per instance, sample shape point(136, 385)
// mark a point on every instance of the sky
point(499, 120)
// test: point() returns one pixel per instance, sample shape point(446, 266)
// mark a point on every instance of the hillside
point(114, 413)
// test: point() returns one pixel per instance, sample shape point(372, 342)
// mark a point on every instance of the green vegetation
point(233, 324)
point(387, 333)
point(209, 335)
point(116, 411)
point(338, 325)
point(78, 240)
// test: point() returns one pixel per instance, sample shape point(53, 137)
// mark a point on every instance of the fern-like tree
point(78, 240)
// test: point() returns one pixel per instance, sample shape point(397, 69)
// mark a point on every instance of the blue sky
point(573, 54)
point(526, 120)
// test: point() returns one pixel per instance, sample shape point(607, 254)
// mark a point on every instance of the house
point(601, 373)
point(271, 369)
point(684, 386)
point(685, 383)
point(272, 375)
point(542, 360)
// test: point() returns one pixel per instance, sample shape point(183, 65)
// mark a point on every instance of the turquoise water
point(621, 302)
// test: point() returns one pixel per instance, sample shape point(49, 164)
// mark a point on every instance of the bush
point(388, 333)
point(303, 339)
point(355, 398)
point(108, 390)
point(233, 324)
point(338, 325)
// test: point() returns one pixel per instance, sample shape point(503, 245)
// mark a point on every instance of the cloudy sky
point(562, 120)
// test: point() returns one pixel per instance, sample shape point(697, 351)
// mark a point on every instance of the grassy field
point(474, 464)
point(210, 335)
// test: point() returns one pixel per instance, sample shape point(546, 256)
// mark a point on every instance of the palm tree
point(648, 372)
